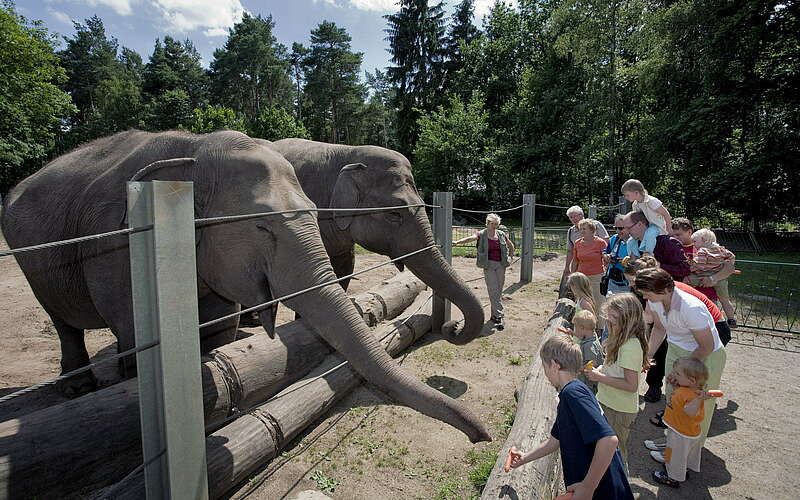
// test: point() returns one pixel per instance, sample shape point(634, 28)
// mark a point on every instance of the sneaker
point(500, 324)
point(732, 324)
point(657, 456)
point(661, 477)
point(652, 396)
point(654, 446)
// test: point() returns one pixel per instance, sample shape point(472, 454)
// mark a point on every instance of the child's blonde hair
point(565, 352)
point(706, 236)
point(584, 319)
point(692, 368)
point(630, 324)
point(579, 284)
point(586, 224)
point(633, 185)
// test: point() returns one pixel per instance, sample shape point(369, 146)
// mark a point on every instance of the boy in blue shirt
point(590, 460)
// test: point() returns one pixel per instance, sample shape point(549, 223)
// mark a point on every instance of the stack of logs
point(95, 440)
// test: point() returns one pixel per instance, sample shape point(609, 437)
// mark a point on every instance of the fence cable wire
point(315, 287)
point(82, 369)
point(489, 211)
point(550, 206)
point(226, 218)
point(119, 484)
point(237, 413)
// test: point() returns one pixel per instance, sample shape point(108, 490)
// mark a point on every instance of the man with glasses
point(617, 250)
point(667, 250)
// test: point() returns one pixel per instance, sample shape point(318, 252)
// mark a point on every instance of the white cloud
point(60, 16)
point(379, 5)
point(214, 16)
point(482, 8)
point(121, 7)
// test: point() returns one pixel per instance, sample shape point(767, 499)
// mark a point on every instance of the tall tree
point(175, 65)
point(251, 71)
point(416, 36)
point(31, 104)
point(332, 89)
point(296, 57)
point(460, 34)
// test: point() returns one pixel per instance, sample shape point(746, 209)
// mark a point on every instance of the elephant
point(341, 176)
point(88, 285)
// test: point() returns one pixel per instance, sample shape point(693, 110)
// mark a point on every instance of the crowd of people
point(645, 303)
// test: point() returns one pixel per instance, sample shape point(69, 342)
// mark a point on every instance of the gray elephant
point(87, 285)
point(340, 176)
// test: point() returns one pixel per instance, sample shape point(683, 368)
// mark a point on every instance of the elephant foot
point(249, 320)
point(77, 385)
point(127, 366)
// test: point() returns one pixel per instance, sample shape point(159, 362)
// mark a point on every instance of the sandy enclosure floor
point(369, 449)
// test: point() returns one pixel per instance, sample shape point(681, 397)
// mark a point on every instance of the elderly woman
point(587, 258)
point(689, 328)
point(494, 250)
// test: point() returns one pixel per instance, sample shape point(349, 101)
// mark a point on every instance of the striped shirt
point(709, 260)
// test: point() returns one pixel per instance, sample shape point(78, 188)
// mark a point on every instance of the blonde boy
point(584, 324)
point(650, 206)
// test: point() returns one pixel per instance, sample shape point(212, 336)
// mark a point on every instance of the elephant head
point(339, 176)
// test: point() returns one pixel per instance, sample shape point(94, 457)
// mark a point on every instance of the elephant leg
point(73, 356)
point(210, 307)
point(343, 265)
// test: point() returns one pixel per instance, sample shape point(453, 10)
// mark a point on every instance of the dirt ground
point(366, 448)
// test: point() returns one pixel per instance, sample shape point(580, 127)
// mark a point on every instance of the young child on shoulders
point(578, 283)
point(591, 464)
point(682, 417)
point(653, 209)
point(709, 258)
point(618, 377)
point(583, 334)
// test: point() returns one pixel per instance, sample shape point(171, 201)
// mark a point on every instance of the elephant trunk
point(337, 321)
point(434, 271)
point(335, 318)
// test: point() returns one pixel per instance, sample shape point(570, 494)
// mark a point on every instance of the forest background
point(562, 98)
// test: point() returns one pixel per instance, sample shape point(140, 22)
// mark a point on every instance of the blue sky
point(137, 23)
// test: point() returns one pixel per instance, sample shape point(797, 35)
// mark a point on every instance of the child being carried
point(709, 258)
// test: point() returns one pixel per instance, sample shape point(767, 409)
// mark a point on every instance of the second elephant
point(341, 176)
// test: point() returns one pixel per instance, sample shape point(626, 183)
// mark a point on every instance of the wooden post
point(593, 212)
point(172, 408)
point(443, 236)
point(528, 218)
point(535, 415)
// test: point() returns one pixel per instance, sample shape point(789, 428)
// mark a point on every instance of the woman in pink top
point(587, 257)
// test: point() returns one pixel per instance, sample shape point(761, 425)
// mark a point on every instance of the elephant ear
point(345, 194)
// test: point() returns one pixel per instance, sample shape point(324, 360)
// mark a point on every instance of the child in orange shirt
point(682, 417)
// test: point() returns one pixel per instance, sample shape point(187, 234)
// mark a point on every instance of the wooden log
point(244, 445)
point(536, 409)
point(58, 450)
point(388, 300)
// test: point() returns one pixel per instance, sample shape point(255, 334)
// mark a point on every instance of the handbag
point(604, 285)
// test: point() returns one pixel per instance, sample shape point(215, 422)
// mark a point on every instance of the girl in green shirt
point(618, 377)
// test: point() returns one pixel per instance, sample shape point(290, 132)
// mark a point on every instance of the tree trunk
point(241, 447)
point(535, 415)
point(66, 447)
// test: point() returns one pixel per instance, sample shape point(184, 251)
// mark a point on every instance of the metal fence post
point(593, 212)
point(528, 217)
point(443, 236)
point(164, 282)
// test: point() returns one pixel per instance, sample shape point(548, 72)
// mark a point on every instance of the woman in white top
point(688, 327)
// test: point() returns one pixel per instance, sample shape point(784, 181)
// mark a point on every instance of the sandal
point(661, 477)
point(658, 420)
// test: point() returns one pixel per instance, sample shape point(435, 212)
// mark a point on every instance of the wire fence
point(766, 296)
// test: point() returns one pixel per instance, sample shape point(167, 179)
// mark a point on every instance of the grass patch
point(482, 465)
point(324, 482)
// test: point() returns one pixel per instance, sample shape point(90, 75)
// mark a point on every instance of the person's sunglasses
point(619, 228)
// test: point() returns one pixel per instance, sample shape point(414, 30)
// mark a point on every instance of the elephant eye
point(395, 218)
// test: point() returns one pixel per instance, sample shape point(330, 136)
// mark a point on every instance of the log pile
point(64, 448)
point(536, 409)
